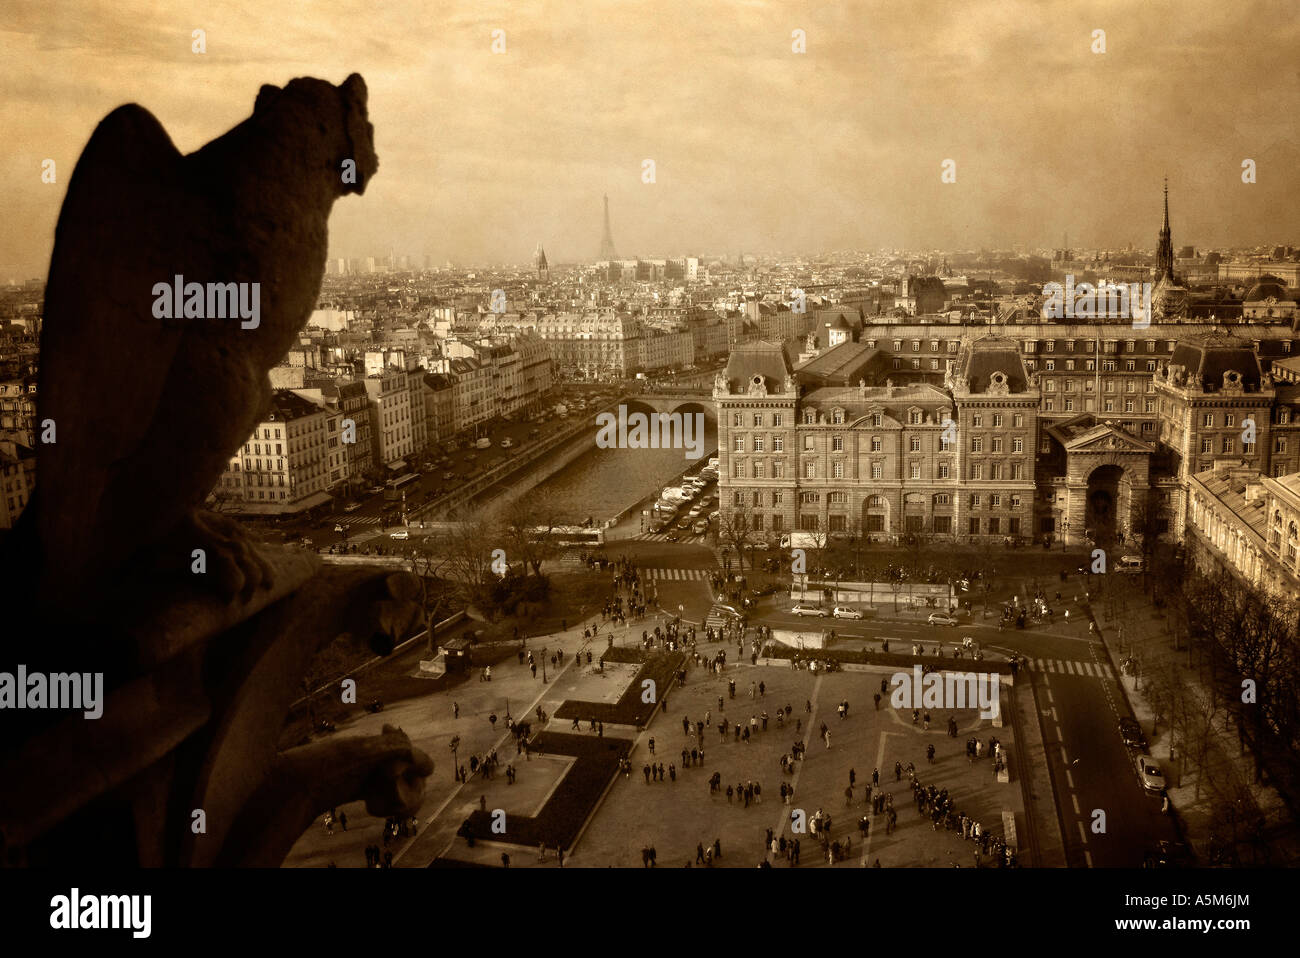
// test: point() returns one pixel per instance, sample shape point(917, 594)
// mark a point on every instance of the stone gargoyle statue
point(200, 668)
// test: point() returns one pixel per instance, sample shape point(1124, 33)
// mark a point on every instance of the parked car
point(376, 490)
point(1153, 780)
point(684, 524)
point(1131, 732)
point(842, 612)
point(941, 618)
point(701, 526)
point(695, 511)
point(399, 534)
point(808, 610)
point(1169, 854)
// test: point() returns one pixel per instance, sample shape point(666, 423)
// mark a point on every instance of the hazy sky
point(756, 148)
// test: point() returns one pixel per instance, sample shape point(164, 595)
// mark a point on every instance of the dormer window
point(837, 416)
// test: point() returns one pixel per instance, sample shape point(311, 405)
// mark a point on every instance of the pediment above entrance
point(1108, 439)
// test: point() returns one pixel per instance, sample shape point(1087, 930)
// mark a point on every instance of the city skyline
point(756, 148)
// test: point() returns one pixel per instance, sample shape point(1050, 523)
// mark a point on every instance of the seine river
point(603, 482)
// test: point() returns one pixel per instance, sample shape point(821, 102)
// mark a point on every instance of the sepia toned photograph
point(726, 434)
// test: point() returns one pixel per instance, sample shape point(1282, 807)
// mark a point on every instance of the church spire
point(1165, 248)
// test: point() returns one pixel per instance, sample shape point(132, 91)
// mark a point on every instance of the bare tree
point(1144, 522)
point(734, 530)
point(527, 523)
point(467, 546)
point(428, 559)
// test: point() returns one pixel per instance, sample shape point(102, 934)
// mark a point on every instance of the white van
point(1130, 564)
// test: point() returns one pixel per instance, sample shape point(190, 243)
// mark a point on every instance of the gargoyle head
point(336, 114)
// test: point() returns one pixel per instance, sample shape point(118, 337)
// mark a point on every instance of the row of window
point(941, 525)
point(1049, 345)
point(1107, 386)
point(1089, 345)
point(758, 469)
point(914, 443)
point(1229, 445)
point(755, 498)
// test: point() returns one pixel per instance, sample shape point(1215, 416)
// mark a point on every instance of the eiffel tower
point(607, 251)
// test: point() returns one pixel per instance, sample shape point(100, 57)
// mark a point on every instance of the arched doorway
point(1105, 504)
point(875, 517)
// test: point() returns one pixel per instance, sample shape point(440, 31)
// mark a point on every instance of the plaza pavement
point(633, 813)
point(674, 817)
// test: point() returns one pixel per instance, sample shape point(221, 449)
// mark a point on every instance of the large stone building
point(391, 429)
point(290, 462)
point(1067, 432)
point(588, 345)
point(1249, 524)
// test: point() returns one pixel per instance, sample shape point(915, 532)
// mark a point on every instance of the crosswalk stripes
point(1070, 667)
point(677, 574)
point(663, 537)
point(716, 617)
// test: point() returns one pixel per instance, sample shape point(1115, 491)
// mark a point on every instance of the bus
point(572, 535)
point(393, 488)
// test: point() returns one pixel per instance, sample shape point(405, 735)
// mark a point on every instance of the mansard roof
point(761, 358)
point(983, 361)
point(1209, 359)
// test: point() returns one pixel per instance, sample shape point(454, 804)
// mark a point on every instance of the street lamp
point(455, 761)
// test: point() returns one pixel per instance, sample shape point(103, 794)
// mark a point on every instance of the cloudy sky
point(756, 148)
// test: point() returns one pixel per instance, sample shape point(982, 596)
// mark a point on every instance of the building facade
point(1068, 435)
point(289, 463)
point(1241, 521)
point(391, 434)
